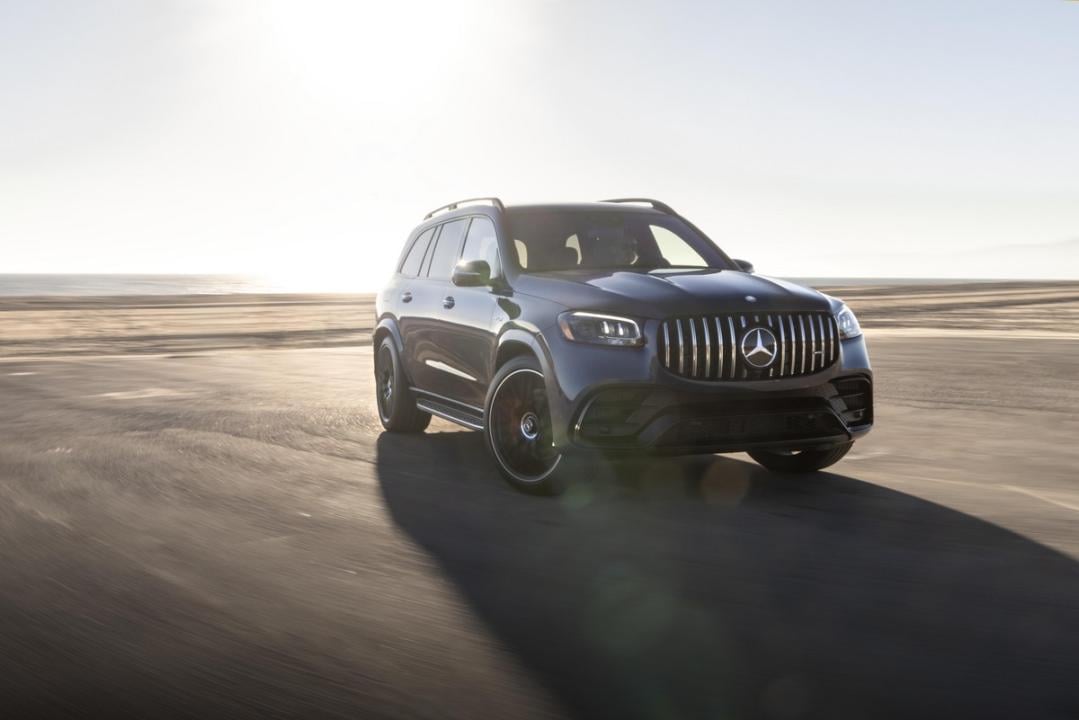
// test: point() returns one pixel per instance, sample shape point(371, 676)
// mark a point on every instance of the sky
point(303, 140)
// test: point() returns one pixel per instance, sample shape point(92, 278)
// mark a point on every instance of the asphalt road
point(231, 535)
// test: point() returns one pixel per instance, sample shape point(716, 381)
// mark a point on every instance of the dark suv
point(615, 326)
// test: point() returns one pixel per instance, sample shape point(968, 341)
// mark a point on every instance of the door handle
point(448, 302)
point(406, 296)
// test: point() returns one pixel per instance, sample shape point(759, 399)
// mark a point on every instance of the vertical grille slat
point(823, 351)
point(708, 347)
point(794, 344)
point(831, 341)
point(666, 344)
point(802, 344)
point(771, 370)
point(719, 340)
point(681, 350)
point(692, 347)
point(782, 345)
point(734, 347)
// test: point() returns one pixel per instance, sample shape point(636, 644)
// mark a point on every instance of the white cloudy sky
point(304, 139)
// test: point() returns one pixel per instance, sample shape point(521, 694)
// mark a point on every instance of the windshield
point(552, 240)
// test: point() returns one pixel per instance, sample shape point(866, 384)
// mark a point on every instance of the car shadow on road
point(709, 587)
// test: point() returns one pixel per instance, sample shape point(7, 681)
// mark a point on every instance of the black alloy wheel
point(518, 428)
point(396, 407)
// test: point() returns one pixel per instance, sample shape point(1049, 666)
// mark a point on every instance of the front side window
point(481, 243)
point(554, 240)
point(674, 250)
point(411, 265)
point(447, 249)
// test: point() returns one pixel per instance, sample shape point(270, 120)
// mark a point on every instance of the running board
point(453, 414)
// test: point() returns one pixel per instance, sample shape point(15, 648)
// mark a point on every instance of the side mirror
point(744, 265)
point(473, 273)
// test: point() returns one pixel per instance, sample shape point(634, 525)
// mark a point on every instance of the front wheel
point(800, 461)
point(518, 428)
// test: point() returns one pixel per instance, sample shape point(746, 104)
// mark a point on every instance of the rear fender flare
point(388, 325)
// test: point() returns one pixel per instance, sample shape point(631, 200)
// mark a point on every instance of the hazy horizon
point(302, 141)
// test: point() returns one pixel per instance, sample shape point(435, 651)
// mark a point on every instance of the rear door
point(424, 357)
point(409, 291)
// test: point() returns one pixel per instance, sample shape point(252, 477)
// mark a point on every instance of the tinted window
point(481, 243)
point(411, 266)
point(552, 257)
point(555, 239)
point(575, 244)
point(447, 248)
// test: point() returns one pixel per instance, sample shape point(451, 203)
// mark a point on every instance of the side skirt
point(463, 414)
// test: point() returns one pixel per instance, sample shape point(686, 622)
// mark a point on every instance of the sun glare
point(366, 75)
point(357, 53)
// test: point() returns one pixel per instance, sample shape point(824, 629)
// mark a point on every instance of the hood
point(662, 294)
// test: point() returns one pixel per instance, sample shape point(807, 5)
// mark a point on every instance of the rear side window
point(447, 248)
point(411, 266)
point(522, 254)
point(481, 243)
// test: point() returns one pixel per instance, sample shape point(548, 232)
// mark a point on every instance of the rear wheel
point(396, 407)
point(518, 428)
point(800, 461)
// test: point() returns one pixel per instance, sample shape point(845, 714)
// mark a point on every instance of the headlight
point(848, 324)
point(600, 329)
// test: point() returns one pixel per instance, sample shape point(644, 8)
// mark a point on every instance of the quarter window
point(411, 266)
point(447, 249)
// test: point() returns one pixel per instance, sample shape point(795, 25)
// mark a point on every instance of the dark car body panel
point(451, 349)
point(660, 294)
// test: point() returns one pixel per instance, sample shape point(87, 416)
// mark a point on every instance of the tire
point(396, 407)
point(517, 429)
point(800, 461)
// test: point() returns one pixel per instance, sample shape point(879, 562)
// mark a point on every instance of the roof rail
point(453, 205)
point(661, 206)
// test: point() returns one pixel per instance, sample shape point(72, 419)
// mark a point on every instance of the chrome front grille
point(710, 347)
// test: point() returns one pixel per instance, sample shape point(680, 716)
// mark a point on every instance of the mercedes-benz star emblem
point(759, 347)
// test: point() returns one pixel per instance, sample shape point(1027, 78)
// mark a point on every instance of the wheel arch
point(512, 348)
point(515, 342)
point(387, 326)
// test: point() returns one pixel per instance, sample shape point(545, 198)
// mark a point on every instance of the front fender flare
point(556, 400)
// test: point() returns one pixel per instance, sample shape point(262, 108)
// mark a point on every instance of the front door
point(464, 337)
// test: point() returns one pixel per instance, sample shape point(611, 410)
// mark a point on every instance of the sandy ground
point(156, 323)
point(1034, 309)
point(163, 324)
point(230, 534)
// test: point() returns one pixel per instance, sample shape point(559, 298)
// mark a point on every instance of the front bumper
point(622, 399)
point(664, 420)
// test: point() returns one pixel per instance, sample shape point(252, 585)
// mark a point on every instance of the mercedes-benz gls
point(615, 326)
